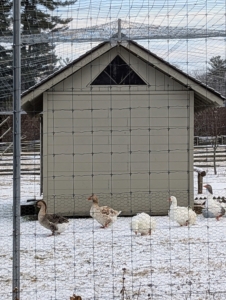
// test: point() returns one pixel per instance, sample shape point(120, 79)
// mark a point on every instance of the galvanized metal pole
point(16, 148)
point(119, 30)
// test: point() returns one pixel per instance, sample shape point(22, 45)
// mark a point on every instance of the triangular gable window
point(118, 73)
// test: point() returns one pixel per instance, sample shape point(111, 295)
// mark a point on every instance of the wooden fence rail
point(203, 158)
point(26, 146)
point(30, 158)
point(209, 140)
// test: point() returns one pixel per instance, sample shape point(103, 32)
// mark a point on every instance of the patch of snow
point(174, 263)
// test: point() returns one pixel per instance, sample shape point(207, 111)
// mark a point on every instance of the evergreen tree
point(6, 79)
point(217, 66)
point(5, 17)
point(5, 54)
point(216, 74)
point(38, 60)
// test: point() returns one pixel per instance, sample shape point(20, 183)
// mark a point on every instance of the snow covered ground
point(174, 263)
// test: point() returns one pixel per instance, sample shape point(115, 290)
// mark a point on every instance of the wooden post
point(201, 174)
point(200, 183)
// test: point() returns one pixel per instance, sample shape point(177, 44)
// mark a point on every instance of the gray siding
point(132, 149)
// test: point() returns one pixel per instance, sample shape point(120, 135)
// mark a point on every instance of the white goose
point(143, 223)
point(184, 216)
point(104, 215)
point(213, 209)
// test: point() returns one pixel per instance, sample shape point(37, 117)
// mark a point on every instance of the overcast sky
point(187, 54)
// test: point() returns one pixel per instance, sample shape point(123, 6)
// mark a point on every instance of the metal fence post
point(16, 148)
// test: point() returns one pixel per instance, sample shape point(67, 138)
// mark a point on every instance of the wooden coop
point(118, 122)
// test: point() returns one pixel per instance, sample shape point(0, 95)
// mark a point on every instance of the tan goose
point(104, 215)
point(55, 223)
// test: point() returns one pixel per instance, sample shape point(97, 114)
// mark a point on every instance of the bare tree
point(211, 122)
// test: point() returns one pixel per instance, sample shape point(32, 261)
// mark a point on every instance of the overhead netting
point(122, 112)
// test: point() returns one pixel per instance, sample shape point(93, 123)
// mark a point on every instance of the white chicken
point(184, 216)
point(143, 223)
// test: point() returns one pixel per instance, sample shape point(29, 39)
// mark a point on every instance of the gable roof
point(204, 95)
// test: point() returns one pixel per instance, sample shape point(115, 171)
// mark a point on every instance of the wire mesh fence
point(110, 203)
point(172, 263)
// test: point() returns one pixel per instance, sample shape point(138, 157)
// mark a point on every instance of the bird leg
point(218, 218)
point(53, 233)
point(106, 225)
